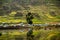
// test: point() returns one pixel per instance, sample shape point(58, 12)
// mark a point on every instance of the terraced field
point(43, 11)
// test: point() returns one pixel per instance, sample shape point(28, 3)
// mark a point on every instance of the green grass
point(38, 34)
point(42, 10)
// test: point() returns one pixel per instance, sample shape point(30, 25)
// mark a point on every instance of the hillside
point(43, 10)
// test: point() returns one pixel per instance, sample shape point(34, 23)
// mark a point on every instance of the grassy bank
point(38, 34)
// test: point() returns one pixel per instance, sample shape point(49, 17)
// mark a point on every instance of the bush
point(0, 34)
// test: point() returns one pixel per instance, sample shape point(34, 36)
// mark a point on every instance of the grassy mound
point(54, 36)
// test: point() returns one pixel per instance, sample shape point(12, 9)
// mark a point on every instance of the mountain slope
point(43, 10)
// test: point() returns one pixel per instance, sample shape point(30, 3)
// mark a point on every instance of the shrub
point(0, 34)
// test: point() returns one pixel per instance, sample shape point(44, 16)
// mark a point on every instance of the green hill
point(42, 10)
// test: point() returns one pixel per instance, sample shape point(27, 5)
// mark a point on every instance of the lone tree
point(29, 18)
point(30, 35)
